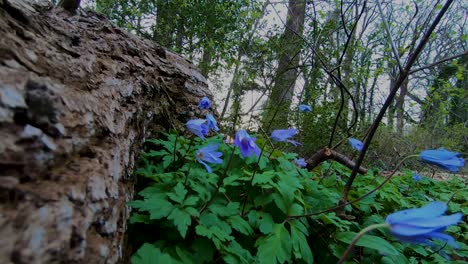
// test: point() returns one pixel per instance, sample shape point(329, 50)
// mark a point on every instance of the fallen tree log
point(78, 97)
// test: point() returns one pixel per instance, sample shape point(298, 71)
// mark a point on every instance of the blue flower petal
point(204, 103)
point(417, 177)
point(305, 108)
point(207, 167)
point(246, 144)
point(431, 210)
point(444, 237)
point(448, 160)
point(198, 127)
point(212, 124)
point(356, 144)
point(420, 225)
point(445, 220)
point(284, 135)
point(300, 162)
point(209, 154)
point(410, 230)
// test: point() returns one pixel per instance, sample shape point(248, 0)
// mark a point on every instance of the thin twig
point(389, 35)
point(465, 53)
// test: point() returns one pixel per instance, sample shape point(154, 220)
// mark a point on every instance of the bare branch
point(326, 154)
point(415, 98)
point(465, 53)
point(387, 30)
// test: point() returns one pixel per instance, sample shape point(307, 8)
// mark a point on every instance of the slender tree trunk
point(162, 33)
point(400, 107)
point(205, 63)
point(236, 78)
point(286, 74)
point(370, 108)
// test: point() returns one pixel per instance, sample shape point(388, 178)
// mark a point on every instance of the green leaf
point(287, 186)
point(261, 220)
point(239, 224)
point(157, 208)
point(184, 255)
point(296, 209)
point(276, 247)
point(281, 202)
point(139, 218)
point(153, 191)
point(331, 218)
point(192, 211)
point(368, 241)
point(167, 160)
point(262, 164)
point(301, 248)
point(286, 165)
point(149, 254)
point(181, 220)
point(156, 154)
point(191, 200)
point(169, 144)
point(225, 210)
point(264, 179)
point(232, 180)
point(216, 234)
point(179, 193)
point(237, 254)
point(420, 250)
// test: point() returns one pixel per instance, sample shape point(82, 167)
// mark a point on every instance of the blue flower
point(212, 124)
point(204, 103)
point(198, 127)
point(284, 135)
point(356, 144)
point(300, 162)
point(448, 160)
point(421, 225)
point(417, 177)
point(246, 144)
point(209, 154)
point(305, 108)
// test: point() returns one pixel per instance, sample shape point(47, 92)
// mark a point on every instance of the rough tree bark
point(78, 96)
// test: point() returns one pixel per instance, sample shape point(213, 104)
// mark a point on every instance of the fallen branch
point(326, 154)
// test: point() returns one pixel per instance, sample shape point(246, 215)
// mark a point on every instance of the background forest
point(337, 56)
point(390, 73)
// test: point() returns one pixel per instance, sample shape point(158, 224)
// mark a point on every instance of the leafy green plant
point(261, 210)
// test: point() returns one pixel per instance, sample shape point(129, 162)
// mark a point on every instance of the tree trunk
point(286, 74)
point(162, 32)
point(400, 107)
point(78, 97)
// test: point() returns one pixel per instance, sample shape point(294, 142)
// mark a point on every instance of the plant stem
point(357, 237)
point(188, 172)
point(175, 145)
point(188, 150)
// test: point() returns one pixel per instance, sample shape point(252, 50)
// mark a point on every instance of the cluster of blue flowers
point(420, 225)
point(246, 143)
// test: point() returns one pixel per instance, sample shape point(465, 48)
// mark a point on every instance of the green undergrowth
point(183, 214)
